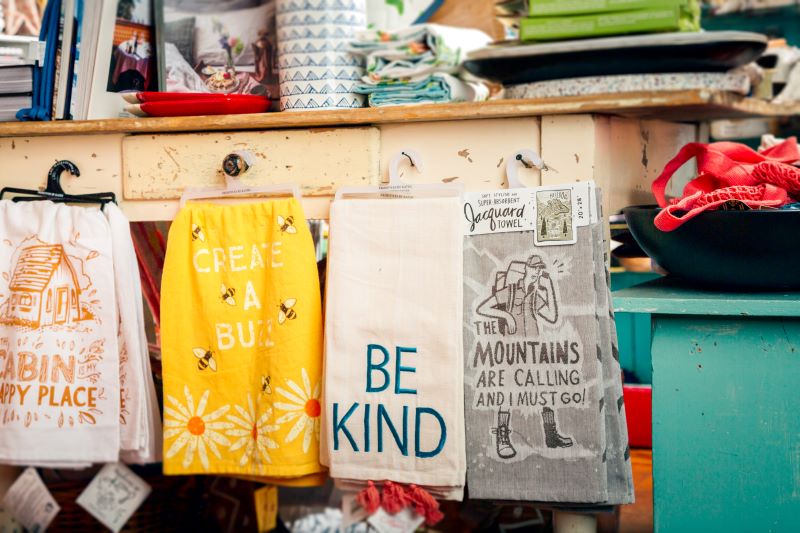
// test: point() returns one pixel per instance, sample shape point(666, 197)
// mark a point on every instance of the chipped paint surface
point(160, 166)
point(149, 171)
point(473, 150)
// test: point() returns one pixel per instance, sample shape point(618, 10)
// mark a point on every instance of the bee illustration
point(287, 224)
point(286, 312)
point(197, 233)
point(265, 384)
point(226, 294)
point(205, 359)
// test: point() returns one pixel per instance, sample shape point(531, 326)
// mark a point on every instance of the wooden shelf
point(676, 106)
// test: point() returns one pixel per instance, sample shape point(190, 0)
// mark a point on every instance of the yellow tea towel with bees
point(241, 342)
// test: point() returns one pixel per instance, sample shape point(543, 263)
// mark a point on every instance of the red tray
point(223, 105)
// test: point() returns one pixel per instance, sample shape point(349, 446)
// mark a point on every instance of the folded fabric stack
point(420, 64)
point(393, 353)
point(733, 81)
point(76, 382)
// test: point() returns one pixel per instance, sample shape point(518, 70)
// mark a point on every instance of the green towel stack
point(554, 20)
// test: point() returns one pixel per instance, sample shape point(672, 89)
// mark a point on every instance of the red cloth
point(729, 171)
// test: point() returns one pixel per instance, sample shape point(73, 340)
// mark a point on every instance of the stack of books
point(69, 77)
point(553, 20)
point(85, 31)
point(18, 55)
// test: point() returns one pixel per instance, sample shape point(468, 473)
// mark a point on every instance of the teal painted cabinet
point(633, 329)
point(726, 408)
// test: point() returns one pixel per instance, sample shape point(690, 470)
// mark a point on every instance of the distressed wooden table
point(620, 140)
point(726, 430)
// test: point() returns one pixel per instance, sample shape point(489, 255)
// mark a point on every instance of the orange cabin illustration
point(44, 289)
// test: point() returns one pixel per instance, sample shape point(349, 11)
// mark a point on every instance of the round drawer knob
point(235, 164)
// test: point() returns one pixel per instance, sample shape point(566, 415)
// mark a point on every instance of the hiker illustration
point(522, 295)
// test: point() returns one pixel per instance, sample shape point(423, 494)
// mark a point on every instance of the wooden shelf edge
point(678, 106)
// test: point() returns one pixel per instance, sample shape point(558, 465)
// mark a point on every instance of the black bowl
point(741, 250)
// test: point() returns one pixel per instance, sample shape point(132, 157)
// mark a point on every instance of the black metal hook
point(54, 175)
point(410, 160)
point(525, 162)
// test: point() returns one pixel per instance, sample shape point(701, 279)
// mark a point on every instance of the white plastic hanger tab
point(235, 164)
point(527, 158)
point(397, 188)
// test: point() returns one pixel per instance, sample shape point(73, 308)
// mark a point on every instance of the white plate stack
point(316, 70)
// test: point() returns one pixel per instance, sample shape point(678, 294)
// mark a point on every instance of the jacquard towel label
point(533, 381)
point(242, 341)
point(59, 358)
point(499, 211)
point(393, 386)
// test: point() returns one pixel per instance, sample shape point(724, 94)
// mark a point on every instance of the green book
point(652, 20)
point(549, 8)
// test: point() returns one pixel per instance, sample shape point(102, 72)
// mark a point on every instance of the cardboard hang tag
point(114, 495)
point(405, 521)
point(500, 211)
point(552, 212)
point(29, 501)
point(352, 512)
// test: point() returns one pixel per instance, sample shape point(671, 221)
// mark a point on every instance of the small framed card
point(555, 216)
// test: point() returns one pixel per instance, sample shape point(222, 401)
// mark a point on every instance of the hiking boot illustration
point(551, 436)
point(505, 450)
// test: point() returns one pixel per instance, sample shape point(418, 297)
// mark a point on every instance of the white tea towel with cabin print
point(59, 359)
point(140, 420)
point(394, 395)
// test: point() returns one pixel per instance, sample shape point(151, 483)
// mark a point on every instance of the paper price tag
point(352, 512)
point(585, 209)
point(406, 521)
point(114, 495)
point(266, 500)
point(29, 501)
point(500, 211)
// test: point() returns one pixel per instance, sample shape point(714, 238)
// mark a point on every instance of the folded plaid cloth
point(434, 88)
point(416, 51)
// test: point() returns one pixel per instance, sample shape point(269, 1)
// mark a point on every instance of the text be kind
point(369, 427)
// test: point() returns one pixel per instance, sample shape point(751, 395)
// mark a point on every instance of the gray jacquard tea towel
point(616, 453)
point(533, 381)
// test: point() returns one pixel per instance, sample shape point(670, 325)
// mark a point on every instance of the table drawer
point(158, 167)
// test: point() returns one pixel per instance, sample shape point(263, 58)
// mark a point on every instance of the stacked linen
point(420, 64)
point(393, 351)
point(66, 311)
point(139, 418)
point(543, 398)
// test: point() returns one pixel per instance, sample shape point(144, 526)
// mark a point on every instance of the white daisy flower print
point(251, 433)
point(303, 408)
point(196, 431)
